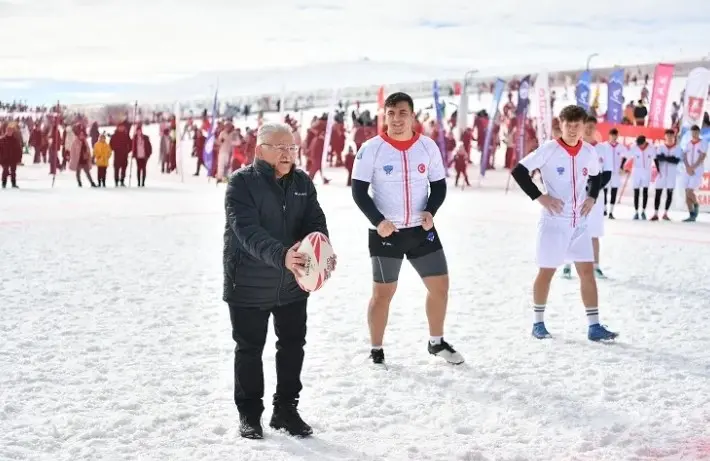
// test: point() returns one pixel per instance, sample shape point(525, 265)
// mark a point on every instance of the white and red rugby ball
point(319, 261)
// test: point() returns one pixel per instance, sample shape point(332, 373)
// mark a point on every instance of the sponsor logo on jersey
point(388, 169)
point(421, 168)
point(584, 172)
point(560, 170)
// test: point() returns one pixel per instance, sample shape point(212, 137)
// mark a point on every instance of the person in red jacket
point(349, 163)
point(121, 146)
point(10, 156)
point(142, 150)
point(459, 162)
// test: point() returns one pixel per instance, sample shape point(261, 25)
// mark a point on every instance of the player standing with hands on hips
point(571, 176)
point(400, 167)
point(694, 155)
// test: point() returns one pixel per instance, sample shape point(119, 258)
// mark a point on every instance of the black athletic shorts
point(422, 248)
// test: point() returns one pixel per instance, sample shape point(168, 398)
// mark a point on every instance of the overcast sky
point(163, 40)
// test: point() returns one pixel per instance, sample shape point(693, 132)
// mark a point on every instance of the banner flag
point(659, 96)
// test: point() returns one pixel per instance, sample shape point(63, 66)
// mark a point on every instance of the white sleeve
point(703, 147)
point(537, 158)
point(364, 166)
point(593, 162)
point(654, 152)
point(437, 172)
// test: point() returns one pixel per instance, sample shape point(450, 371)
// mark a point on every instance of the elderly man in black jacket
point(270, 206)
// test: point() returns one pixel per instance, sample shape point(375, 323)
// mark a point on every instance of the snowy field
point(115, 344)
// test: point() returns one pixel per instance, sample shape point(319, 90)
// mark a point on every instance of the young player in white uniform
point(694, 154)
point(642, 154)
point(618, 154)
point(595, 221)
point(570, 173)
point(400, 168)
point(667, 160)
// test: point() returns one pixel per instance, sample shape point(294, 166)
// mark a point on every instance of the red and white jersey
point(617, 152)
point(643, 159)
point(692, 153)
point(668, 170)
point(565, 171)
point(399, 173)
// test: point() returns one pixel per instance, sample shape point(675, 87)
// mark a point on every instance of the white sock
point(592, 315)
point(538, 313)
point(376, 348)
point(612, 208)
point(434, 340)
point(596, 265)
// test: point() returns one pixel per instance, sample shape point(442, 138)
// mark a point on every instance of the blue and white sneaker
point(598, 273)
point(540, 332)
point(636, 216)
point(643, 215)
point(599, 333)
point(567, 271)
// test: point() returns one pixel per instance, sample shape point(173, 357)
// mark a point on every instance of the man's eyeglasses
point(291, 149)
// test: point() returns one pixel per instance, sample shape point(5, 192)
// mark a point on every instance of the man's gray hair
point(269, 129)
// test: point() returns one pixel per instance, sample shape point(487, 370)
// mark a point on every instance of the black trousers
point(249, 327)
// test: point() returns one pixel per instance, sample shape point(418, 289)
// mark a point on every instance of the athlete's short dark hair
point(590, 119)
point(641, 140)
point(613, 132)
point(395, 98)
point(695, 128)
point(573, 114)
point(669, 131)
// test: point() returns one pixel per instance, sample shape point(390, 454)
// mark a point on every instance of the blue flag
point(582, 91)
point(615, 100)
point(497, 95)
point(207, 157)
point(440, 123)
point(521, 113)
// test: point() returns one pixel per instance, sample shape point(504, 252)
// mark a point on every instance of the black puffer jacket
point(265, 217)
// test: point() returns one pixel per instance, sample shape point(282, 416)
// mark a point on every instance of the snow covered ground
point(115, 344)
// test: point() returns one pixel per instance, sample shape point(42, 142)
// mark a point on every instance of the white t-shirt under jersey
point(399, 173)
point(565, 171)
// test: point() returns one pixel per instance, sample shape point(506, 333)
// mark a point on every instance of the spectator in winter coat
point(121, 146)
point(142, 149)
point(10, 156)
point(459, 162)
point(640, 113)
point(165, 143)
point(80, 158)
point(270, 206)
point(102, 154)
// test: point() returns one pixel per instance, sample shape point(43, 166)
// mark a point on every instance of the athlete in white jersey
point(618, 154)
point(570, 173)
point(400, 168)
point(694, 154)
point(668, 157)
point(595, 220)
point(643, 155)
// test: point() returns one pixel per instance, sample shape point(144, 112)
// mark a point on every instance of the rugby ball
point(319, 261)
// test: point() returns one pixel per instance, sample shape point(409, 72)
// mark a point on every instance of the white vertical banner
point(462, 119)
point(696, 93)
point(329, 128)
point(178, 141)
point(544, 111)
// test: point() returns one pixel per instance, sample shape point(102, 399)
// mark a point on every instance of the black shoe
point(286, 417)
point(250, 427)
point(377, 356)
point(15, 186)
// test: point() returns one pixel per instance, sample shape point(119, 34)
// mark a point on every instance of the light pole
point(589, 58)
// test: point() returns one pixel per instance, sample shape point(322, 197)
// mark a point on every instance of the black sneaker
point(286, 417)
point(446, 352)
point(377, 356)
point(250, 427)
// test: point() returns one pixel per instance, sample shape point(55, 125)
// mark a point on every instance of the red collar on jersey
point(571, 150)
point(613, 144)
point(401, 145)
point(644, 146)
point(695, 141)
point(593, 142)
point(671, 146)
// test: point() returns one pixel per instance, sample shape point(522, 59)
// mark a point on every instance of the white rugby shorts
point(692, 182)
point(595, 220)
point(640, 180)
point(559, 242)
point(615, 181)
